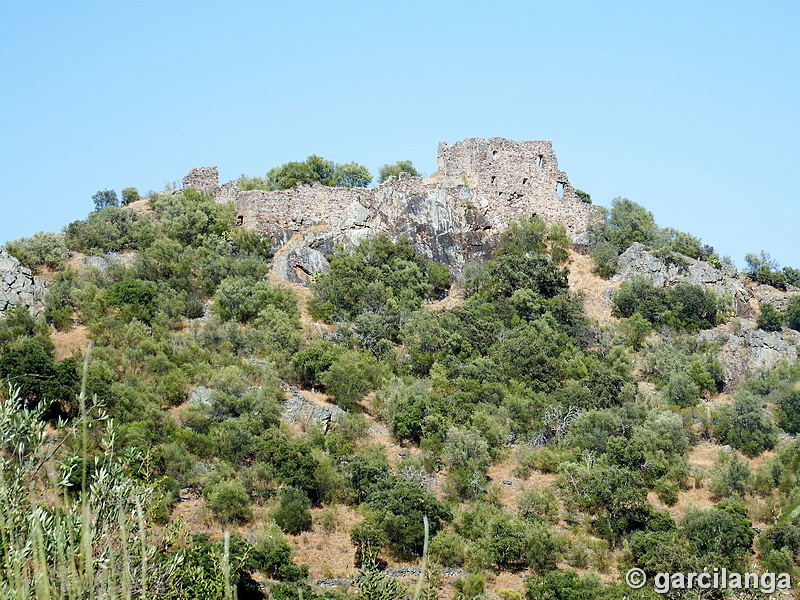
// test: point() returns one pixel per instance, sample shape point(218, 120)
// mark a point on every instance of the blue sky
point(688, 108)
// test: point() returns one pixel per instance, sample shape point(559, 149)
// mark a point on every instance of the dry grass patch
point(71, 342)
point(581, 279)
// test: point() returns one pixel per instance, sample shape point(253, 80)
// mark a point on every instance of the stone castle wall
point(454, 217)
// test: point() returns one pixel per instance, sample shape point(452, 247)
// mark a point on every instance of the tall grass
point(73, 518)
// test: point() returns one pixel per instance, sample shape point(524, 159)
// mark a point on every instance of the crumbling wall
point(455, 217)
point(203, 179)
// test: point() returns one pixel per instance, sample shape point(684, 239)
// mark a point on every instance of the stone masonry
point(454, 217)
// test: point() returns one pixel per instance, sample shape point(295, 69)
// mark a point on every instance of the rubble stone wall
point(454, 217)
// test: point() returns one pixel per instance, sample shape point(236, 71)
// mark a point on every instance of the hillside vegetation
point(516, 432)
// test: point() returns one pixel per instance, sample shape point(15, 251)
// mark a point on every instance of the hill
point(421, 388)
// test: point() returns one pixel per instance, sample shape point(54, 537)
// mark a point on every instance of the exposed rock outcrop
point(18, 287)
point(745, 349)
point(299, 410)
point(723, 280)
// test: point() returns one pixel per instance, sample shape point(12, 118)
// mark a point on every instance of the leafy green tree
point(351, 376)
point(769, 317)
point(309, 364)
point(293, 462)
point(313, 169)
point(30, 367)
point(135, 298)
point(394, 170)
point(763, 269)
point(788, 413)
point(722, 536)
point(293, 514)
point(352, 174)
point(623, 225)
point(129, 194)
point(399, 511)
point(243, 298)
point(793, 313)
point(105, 198)
point(272, 555)
point(378, 276)
point(745, 425)
point(731, 476)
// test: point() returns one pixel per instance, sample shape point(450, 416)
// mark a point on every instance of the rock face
point(453, 218)
point(746, 349)
point(17, 285)
point(724, 281)
point(298, 409)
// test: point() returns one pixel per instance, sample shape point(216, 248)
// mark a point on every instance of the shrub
point(42, 249)
point(745, 425)
point(229, 502)
point(730, 476)
point(351, 376)
point(769, 317)
point(399, 511)
point(293, 515)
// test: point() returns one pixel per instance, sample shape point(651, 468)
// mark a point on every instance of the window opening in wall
point(539, 159)
point(524, 180)
point(559, 190)
point(240, 220)
point(494, 153)
point(491, 180)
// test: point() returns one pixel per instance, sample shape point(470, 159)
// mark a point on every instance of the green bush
point(105, 198)
point(793, 313)
point(293, 514)
point(129, 194)
point(377, 275)
point(351, 376)
point(229, 502)
point(394, 170)
point(769, 317)
point(42, 249)
point(745, 425)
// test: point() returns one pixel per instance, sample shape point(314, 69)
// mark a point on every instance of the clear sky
point(689, 108)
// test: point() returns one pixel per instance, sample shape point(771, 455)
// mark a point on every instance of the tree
point(769, 317)
point(394, 170)
point(129, 194)
point(763, 269)
point(352, 174)
point(292, 514)
point(351, 376)
point(105, 198)
point(793, 313)
point(399, 511)
point(745, 425)
point(722, 536)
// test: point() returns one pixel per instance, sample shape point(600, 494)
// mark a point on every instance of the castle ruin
point(453, 217)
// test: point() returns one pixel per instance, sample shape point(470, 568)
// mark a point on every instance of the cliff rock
point(17, 285)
